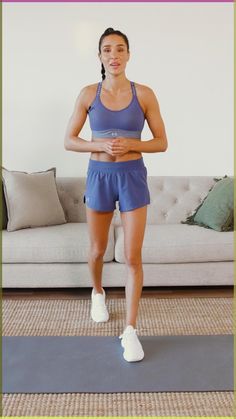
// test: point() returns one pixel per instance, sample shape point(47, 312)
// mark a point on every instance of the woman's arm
point(155, 122)
point(71, 141)
point(159, 143)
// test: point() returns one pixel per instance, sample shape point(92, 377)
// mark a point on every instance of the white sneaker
point(133, 350)
point(99, 311)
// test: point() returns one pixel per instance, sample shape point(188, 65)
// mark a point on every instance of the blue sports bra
point(107, 123)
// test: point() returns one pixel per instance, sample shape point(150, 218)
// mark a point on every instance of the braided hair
point(111, 31)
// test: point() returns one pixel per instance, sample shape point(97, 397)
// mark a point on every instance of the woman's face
point(114, 54)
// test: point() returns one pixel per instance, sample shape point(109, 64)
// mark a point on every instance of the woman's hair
point(111, 31)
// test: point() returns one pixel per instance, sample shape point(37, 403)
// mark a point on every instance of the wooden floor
point(118, 292)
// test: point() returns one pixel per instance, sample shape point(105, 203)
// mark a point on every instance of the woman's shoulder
point(143, 89)
point(145, 94)
point(88, 93)
point(89, 89)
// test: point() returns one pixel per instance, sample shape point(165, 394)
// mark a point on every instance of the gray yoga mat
point(95, 364)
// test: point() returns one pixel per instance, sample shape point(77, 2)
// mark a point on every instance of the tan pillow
point(32, 199)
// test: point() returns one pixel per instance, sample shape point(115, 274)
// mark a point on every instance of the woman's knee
point(97, 251)
point(133, 259)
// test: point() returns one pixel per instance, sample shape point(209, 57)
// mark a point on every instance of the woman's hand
point(117, 146)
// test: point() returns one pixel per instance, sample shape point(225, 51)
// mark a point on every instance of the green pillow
point(3, 210)
point(217, 209)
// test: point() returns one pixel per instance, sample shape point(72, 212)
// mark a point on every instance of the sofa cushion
point(217, 209)
point(32, 199)
point(177, 243)
point(54, 244)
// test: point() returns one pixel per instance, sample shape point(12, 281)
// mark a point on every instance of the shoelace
point(134, 331)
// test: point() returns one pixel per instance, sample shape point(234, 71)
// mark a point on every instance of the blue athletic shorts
point(108, 182)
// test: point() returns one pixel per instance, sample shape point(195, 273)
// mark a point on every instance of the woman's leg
point(134, 223)
point(98, 225)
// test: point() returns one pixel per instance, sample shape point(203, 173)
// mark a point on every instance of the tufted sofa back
point(173, 198)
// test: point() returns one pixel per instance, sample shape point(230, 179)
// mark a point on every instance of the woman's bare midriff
point(103, 156)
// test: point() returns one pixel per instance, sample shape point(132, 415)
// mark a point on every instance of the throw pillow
point(217, 209)
point(32, 199)
point(3, 211)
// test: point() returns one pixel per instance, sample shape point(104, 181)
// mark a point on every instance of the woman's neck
point(115, 84)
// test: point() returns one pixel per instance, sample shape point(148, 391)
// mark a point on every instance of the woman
point(117, 110)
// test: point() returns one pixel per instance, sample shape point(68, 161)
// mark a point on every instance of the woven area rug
point(183, 316)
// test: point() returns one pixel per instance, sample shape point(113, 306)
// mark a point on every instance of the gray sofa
point(173, 254)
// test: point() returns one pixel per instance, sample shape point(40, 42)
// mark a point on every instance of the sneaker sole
point(133, 359)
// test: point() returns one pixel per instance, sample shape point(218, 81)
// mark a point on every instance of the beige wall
point(184, 52)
